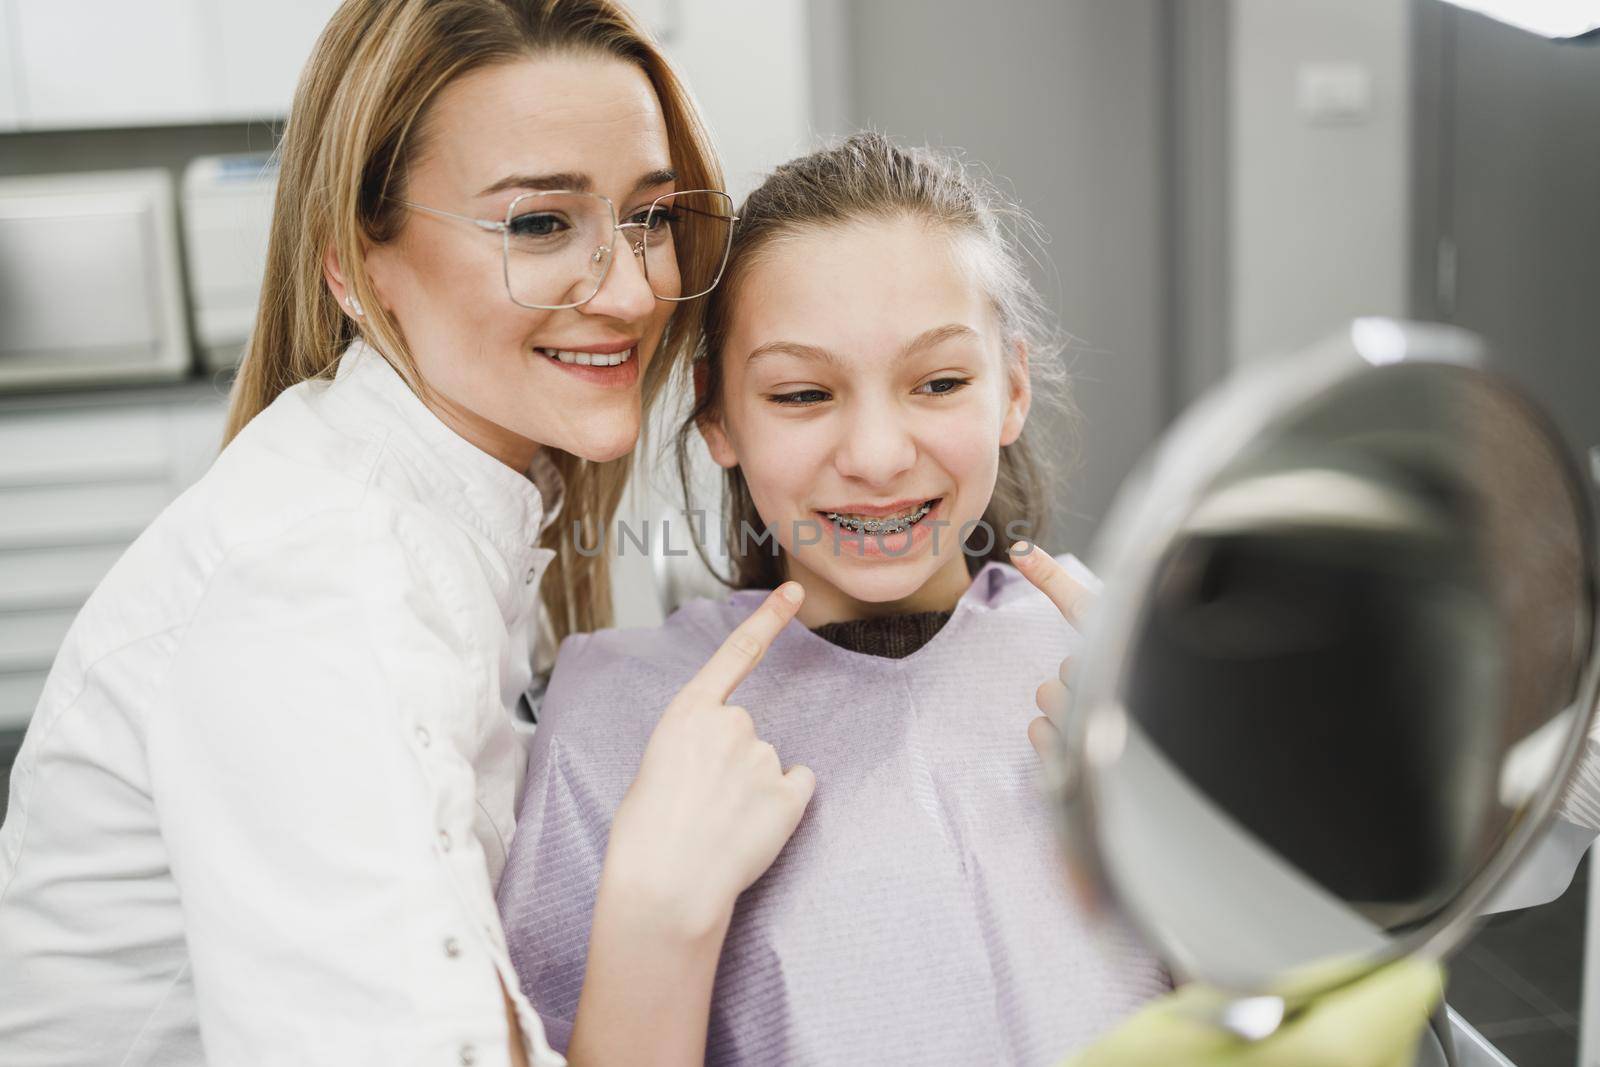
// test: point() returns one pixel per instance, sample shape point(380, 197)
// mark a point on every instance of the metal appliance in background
point(90, 284)
point(227, 213)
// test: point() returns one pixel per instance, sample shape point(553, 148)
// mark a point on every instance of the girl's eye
point(941, 386)
point(537, 224)
point(800, 397)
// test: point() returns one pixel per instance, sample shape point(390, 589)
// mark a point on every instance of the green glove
point(1374, 1022)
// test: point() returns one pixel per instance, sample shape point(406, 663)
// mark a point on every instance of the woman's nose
point(625, 293)
point(876, 445)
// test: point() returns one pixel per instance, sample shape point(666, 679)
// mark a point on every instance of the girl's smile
point(866, 397)
point(885, 533)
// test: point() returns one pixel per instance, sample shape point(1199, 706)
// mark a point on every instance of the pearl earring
point(354, 305)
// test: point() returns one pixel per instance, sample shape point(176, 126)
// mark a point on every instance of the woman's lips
point(617, 369)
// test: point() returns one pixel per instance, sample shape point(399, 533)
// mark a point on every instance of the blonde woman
point(264, 802)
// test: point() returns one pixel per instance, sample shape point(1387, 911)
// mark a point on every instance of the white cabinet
point(109, 62)
point(77, 484)
point(262, 48)
point(101, 63)
point(8, 83)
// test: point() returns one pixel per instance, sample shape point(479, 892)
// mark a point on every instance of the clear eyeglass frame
point(603, 254)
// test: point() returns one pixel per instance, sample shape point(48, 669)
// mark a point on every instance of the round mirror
point(1344, 660)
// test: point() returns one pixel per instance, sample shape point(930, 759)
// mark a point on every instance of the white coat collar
point(510, 509)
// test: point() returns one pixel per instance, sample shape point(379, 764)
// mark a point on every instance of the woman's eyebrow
point(577, 183)
point(570, 181)
point(663, 176)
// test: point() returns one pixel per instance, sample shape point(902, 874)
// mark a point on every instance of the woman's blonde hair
point(355, 126)
point(868, 177)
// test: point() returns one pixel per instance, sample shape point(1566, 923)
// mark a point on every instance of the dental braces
point(897, 524)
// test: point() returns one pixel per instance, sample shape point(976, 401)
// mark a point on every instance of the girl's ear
point(711, 427)
point(1020, 397)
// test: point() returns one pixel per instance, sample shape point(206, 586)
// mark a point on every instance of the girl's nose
point(876, 446)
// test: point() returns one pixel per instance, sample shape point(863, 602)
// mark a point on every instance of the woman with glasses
point(265, 800)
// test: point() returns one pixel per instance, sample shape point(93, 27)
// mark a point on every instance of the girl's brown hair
point(868, 177)
point(356, 124)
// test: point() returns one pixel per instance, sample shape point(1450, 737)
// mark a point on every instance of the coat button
point(424, 738)
point(452, 947)
point(469, 1056)
point(444, 840)
point(531, 576)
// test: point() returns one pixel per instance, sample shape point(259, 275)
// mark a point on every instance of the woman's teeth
point(886, 524)
point(589, 359)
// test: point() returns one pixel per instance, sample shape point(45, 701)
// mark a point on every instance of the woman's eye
point(537, 224)
point(800, 397)
point(652, 218)
point(940, 386)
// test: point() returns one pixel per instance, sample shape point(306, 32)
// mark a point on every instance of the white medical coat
point(260, 812)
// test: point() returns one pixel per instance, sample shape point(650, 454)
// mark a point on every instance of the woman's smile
point(612, 365)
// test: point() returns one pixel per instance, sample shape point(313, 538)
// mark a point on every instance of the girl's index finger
point(746, 645)
point(1069, 595)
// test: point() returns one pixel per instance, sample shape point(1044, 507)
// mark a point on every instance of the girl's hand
point(708, 812)
point(711, 806)
point(1073, 600)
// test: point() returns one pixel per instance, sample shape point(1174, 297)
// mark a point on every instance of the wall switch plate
point(1334, 93)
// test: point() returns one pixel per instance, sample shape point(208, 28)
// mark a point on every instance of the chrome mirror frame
point(1145, 521)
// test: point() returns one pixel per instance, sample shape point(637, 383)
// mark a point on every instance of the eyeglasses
point(558, 246)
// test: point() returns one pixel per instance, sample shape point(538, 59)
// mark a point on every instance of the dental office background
point(1221, 181)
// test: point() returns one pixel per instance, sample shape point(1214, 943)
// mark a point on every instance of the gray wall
point(1470, 194)
point(1066, 102)
point(1199, 204)
point(1507, 207)
point(1319, 211)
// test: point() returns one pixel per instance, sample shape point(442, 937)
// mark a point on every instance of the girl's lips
point(880, 511)
point(886, 546)
point(872, 523)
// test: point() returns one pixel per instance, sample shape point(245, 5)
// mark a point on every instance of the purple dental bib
point(918, 915)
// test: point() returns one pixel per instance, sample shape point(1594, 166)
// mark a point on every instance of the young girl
point(865, 384)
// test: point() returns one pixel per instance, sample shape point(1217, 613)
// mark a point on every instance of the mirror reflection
point(1353, 672)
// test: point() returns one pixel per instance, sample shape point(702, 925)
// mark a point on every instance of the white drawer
point(53, 578)
point(19, 695)
point(114, 513)
point(43, 448)
point(29, 639)
point(77, 485)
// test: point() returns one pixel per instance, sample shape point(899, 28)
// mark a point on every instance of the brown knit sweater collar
point(890, 636)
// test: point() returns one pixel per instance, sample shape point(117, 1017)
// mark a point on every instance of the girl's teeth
point(889, 524)
point(589, 359)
